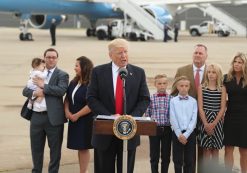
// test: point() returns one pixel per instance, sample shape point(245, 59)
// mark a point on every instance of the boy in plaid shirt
point(158, 110)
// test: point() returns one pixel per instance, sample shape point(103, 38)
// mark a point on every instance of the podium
point(105, 127)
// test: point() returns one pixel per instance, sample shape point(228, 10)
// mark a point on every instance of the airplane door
point(204, 27)
point(115, 29)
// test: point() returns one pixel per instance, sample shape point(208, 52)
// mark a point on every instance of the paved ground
point(154, 56)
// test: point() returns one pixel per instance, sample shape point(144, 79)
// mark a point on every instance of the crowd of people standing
point(204, 108)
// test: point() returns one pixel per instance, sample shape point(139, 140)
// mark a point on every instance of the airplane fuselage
point(40, 13)
point(89, 9)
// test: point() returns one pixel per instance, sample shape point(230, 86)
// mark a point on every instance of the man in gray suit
point(48, 116)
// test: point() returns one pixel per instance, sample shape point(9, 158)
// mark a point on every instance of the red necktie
point(119, 96)
point(197, 78)
point(161, 94)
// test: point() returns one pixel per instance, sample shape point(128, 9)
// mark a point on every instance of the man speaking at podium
point(105, 97)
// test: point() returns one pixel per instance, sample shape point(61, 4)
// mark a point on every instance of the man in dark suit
point(199, 64)
point(176, 29)
point(48, 116)
point(53, 32)
point(101, 100)
point(166, 30)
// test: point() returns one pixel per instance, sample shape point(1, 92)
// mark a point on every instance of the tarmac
point(154, 56)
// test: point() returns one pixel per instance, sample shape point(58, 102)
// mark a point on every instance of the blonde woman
point(235, 124)
point(211, 105)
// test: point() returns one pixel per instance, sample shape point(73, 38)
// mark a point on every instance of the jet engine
point(44, 21)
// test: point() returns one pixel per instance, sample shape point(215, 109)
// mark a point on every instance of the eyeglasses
point(51, 57)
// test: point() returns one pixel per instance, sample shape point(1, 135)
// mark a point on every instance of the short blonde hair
point(159, 76)
point(180, 78)
point(174, 90)
point(118, 42)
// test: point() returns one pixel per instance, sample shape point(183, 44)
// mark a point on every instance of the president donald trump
point(103, 98)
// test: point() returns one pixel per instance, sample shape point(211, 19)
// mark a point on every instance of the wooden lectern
point(105, 127)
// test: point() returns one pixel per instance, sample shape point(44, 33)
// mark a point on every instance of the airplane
point(39, 13)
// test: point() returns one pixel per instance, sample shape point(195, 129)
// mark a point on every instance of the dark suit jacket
point(54, 92)
point(188, 71)
point(100, 97)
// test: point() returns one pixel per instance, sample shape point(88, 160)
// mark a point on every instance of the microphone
point(123, 73)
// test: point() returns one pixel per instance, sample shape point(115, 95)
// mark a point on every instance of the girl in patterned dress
point(211, 105)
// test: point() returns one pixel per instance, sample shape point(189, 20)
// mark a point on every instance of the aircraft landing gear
point(26, 37)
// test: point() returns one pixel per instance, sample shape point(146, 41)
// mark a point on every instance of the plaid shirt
point(159, 109)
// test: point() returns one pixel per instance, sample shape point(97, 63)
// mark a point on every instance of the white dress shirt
point(183, 115)
point(201, 72)
point(74, 91)
point(115, 69)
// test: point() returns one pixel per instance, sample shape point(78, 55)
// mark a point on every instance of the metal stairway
point(224, 17)
point(143, 18)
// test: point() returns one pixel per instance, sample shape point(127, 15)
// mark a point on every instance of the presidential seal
point(124, 127)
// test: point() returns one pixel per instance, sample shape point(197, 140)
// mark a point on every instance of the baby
point(38, 67)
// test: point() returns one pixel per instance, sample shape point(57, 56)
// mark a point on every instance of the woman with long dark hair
point(78, 113)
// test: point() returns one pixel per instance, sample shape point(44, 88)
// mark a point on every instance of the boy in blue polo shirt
point(183, 118)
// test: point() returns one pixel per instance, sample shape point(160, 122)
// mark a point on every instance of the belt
point(42, 112)
point(162, 127)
